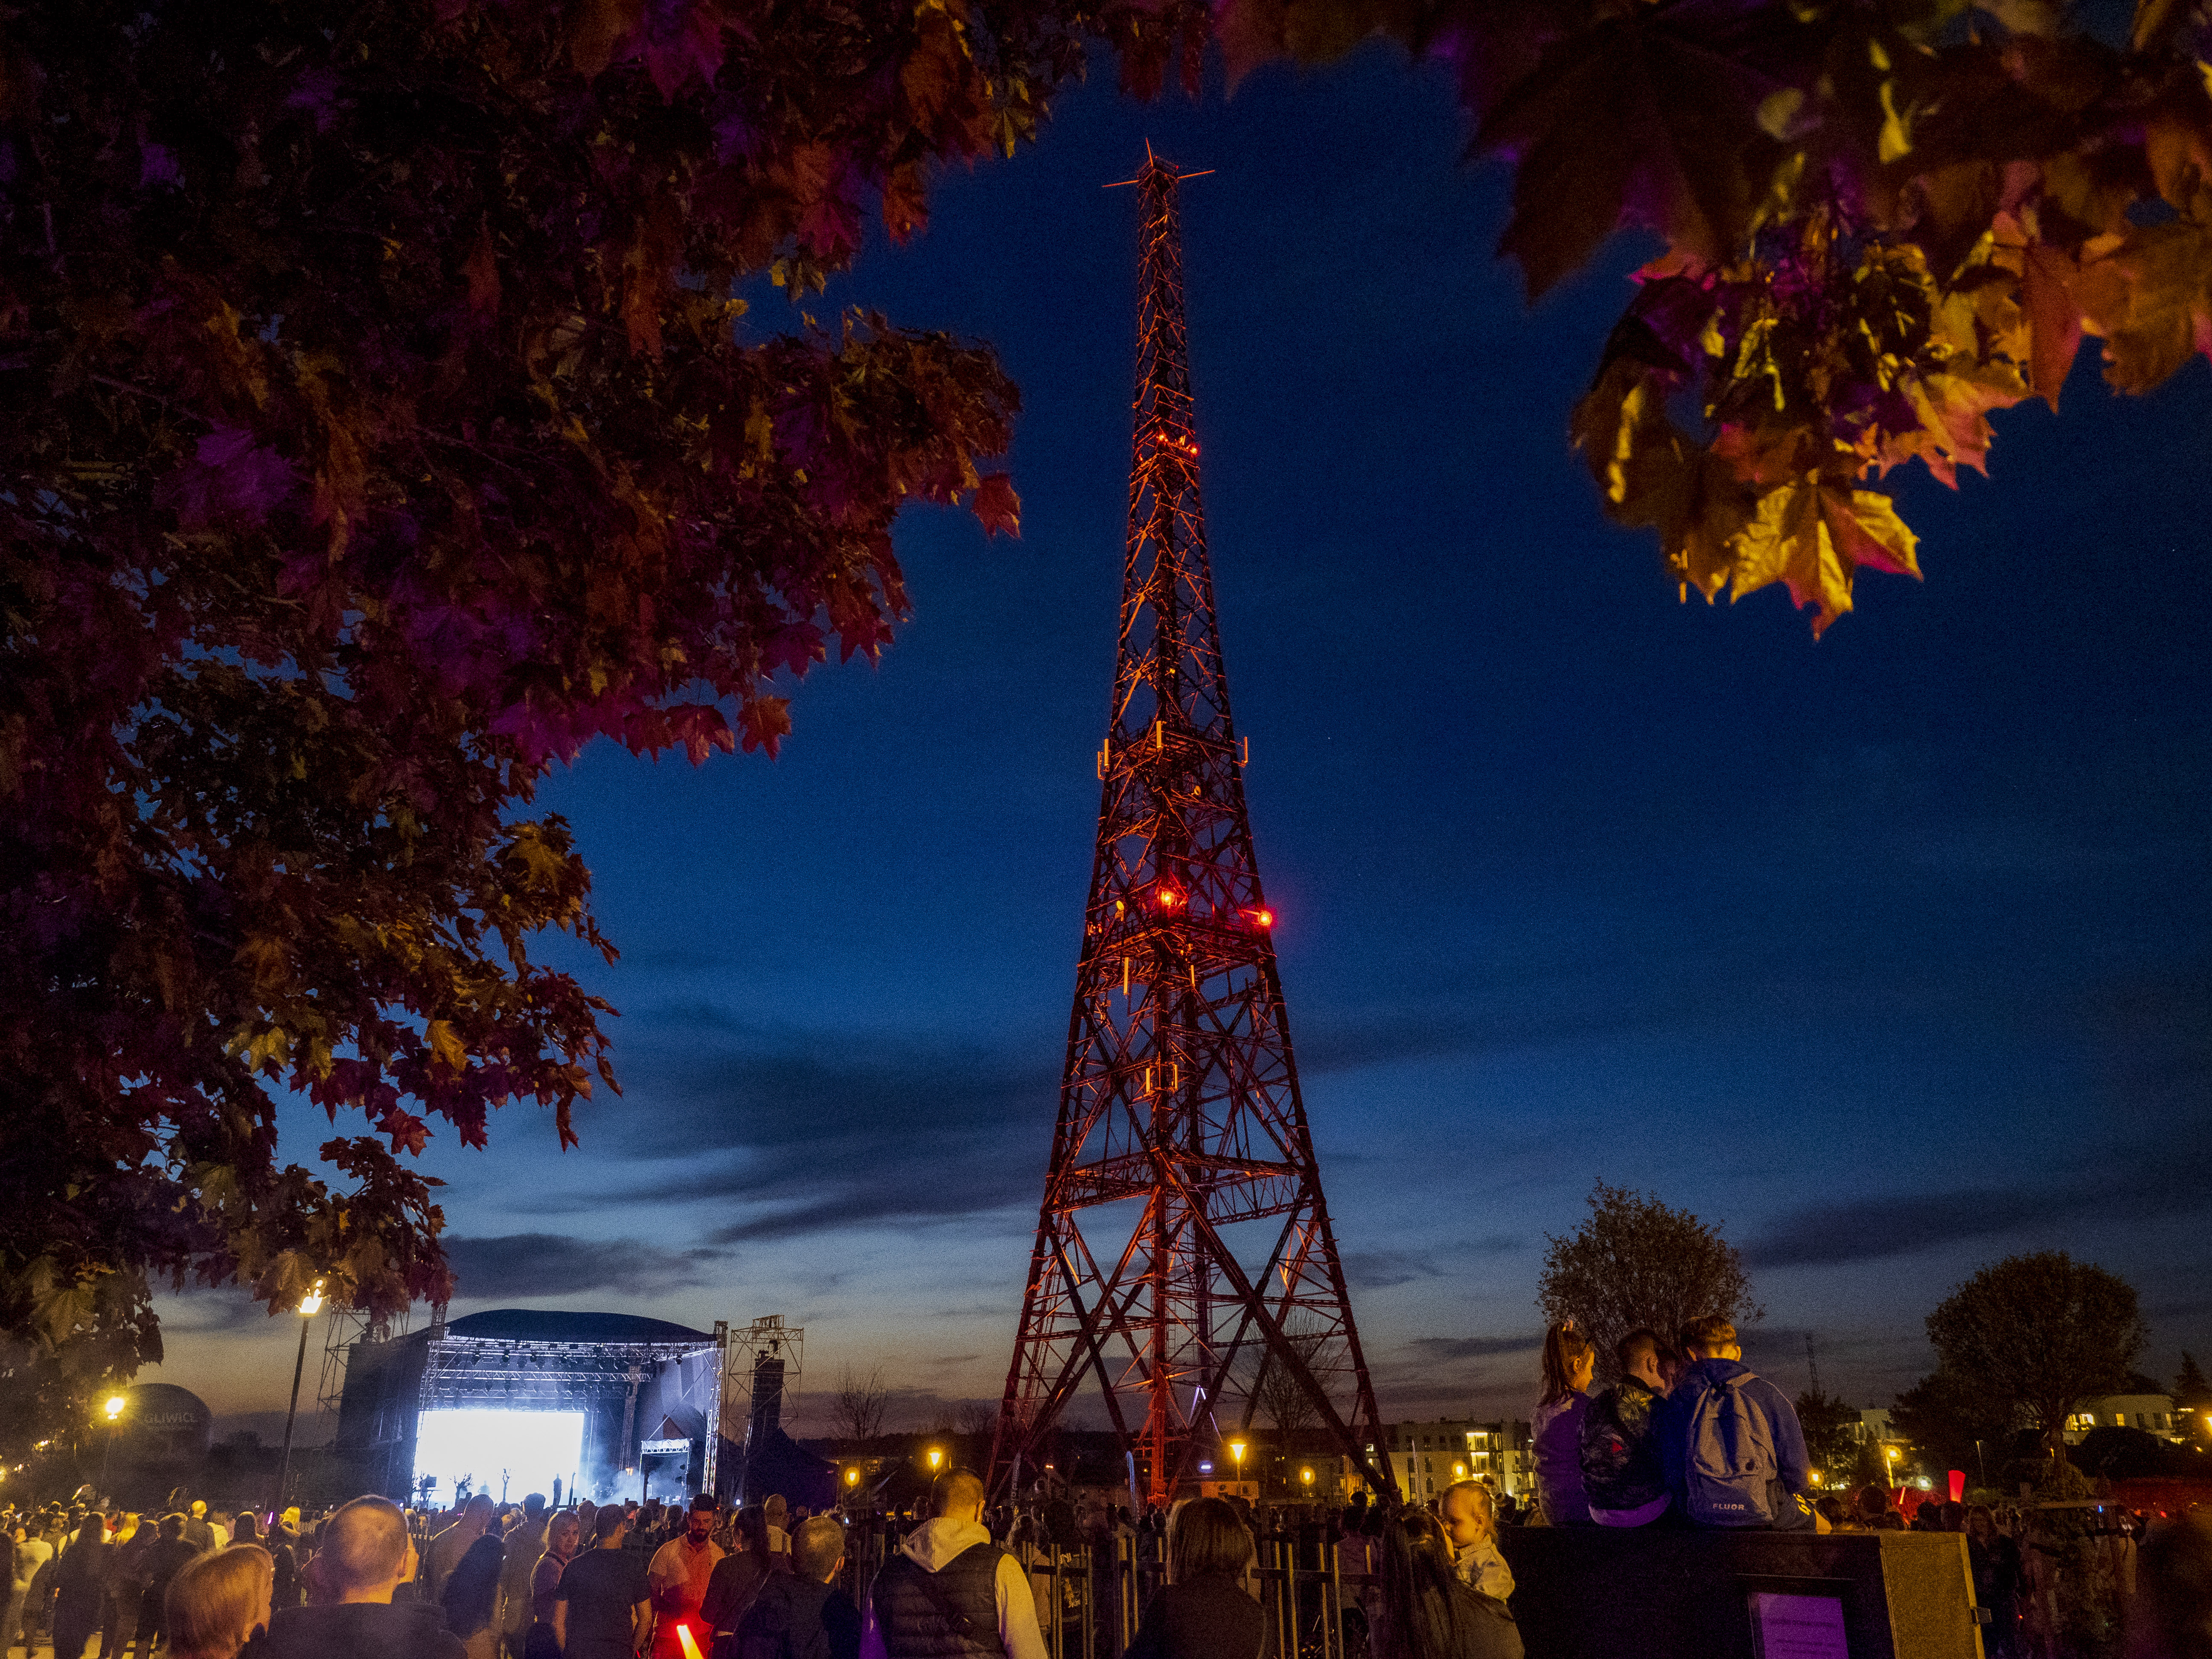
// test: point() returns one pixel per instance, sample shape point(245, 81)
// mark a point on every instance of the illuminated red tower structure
point(1184, 1258)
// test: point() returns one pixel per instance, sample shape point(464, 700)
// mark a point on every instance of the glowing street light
point(936, 1458)
point(310, 1306)
point(1306, 1475)
point(851, 1477)
point(113, 1407)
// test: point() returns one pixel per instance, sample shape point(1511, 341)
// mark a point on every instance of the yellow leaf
point(446, 1046)
point(1811, 535)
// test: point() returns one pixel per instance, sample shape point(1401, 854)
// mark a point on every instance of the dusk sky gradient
point(1889, 951)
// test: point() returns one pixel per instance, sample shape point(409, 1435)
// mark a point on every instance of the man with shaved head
point(366, 1554)
point(949, 1589)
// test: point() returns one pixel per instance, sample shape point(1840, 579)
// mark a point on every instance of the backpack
point(1728, 1460)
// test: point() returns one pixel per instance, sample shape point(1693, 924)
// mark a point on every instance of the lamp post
point(1237, 1451)
point(310, 1306)
point(936, 1459)
point(113, 1407)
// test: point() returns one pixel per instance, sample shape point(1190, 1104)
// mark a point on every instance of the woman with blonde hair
point(218, 1601)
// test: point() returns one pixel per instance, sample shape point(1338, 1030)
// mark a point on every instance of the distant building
point(1427, 1457)
point(2154, 1413)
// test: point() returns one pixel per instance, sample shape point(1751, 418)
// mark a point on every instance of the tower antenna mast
point(1184, 1260)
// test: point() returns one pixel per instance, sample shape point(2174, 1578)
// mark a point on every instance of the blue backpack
point(1727, 1459)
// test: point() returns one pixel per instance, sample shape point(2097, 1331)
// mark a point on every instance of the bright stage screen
point(512, 1452)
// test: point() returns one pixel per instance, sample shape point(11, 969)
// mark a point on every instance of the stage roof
point(555, 1325)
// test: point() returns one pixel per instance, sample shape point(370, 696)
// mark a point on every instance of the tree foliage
point(383, 424)
point(1635, 1262)
point(1882, 223)
point(1830, 1433)
point(1952, 1424)
point(2191, 1390)
point(2037, 1335)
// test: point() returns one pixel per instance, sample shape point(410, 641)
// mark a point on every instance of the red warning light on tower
point(1170, 898)
point(1261, 918)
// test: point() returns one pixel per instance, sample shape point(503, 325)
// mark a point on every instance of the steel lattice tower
point(1180, 1116)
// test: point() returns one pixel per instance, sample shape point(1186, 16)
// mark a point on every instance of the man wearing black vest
point(950, 1593)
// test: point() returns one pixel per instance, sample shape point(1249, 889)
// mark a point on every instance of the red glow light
point(1170, 898)
point(1265, 918)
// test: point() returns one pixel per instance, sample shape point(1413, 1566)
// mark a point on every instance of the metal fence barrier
point(1091, 1597)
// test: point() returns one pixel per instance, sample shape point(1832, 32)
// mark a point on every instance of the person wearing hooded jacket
point(1718, 1361)
point(949, 1592)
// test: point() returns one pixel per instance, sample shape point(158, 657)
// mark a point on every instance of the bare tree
point(1636, 1262)
point(1280, 1393)
point(859, 1411)
point(976, 1417)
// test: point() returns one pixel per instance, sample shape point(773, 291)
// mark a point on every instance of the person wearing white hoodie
point(950, 1593)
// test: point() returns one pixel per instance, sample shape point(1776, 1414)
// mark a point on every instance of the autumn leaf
point(2150, 297)
point(2048, 279)
point(1631, 122)
point(446, 1045)
point(1812, 535)
point(996, 506)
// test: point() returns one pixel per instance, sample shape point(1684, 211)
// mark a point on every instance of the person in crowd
point(198, 1532)
point(32, 1553)
point(133, 1544)
point(218, 1602)
point(564, 1535)
point(602, 1607)
point(778, 1512)
point(1570, 1360)
point(1470, 1524)
point(948, 1588)
point(1832, 1509)
point(1624, 1476)
point(737, 1578)
point(1204, 1611)
point(172, 1548)
point(284, 1547)
point(1993, 1560)
point(679, 1573)
point(245, 1529)
point(447, 1547)
point(470, 1595)
point(2171, 1618)
point(801, 1614)
point(1425, 1611)
point(364, 1555)
point(1872, 1511)
point(1722, 1419)
point(525, 1546)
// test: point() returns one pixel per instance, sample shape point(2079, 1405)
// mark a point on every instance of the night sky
point(1889, 952)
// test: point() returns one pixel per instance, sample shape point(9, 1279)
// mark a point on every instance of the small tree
point(1956, 1426)
point(2041, 1333)
point(858, 1410)
point(1830, 1428)
point(1636, 1262)
point(2191, 1391)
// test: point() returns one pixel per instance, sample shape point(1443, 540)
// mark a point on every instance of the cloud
point(1377, 1270)
point(520, 1265)
point(1434, 1348)
point(815, 1133)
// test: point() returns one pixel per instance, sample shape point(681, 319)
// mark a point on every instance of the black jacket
point(794, 1618)
point(1208, 1617)
point(359, 1629)
point(1622, 1465)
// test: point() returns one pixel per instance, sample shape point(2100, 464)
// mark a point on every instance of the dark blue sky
point(1890, 952)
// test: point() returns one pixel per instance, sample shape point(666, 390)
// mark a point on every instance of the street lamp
point(936, 1457)
point(1306, 1475)
point(310, 1306)
point(113, 1407)
point(1237, 1451)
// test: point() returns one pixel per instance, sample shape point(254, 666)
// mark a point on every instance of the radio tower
point(1184, 1258)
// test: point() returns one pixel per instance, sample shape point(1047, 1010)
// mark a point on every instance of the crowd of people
point(1687, 1437)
